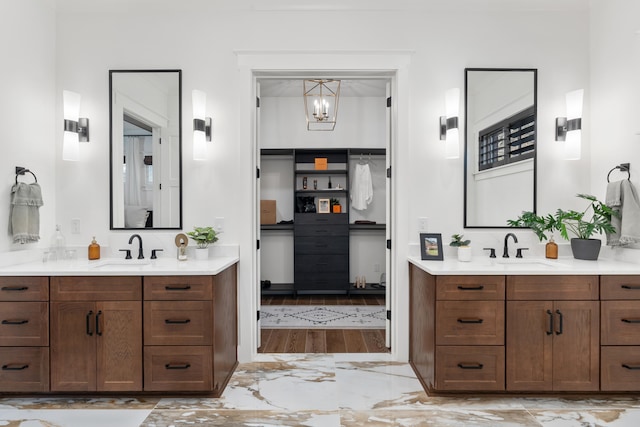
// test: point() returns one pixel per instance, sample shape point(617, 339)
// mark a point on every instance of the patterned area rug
point(323, 317)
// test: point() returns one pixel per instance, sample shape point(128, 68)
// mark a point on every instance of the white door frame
point(255, 64)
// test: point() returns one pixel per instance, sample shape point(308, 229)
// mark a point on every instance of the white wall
point(201, 38)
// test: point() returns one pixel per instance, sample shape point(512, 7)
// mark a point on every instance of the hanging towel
point(24, 215)
point(613, 199)
point(362, 188)
point(628, 224)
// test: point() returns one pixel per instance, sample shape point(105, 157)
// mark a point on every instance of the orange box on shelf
point(321, 163)
point(267, 211)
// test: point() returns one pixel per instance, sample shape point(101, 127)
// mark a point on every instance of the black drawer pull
point(322, 231)
point(177, 321)
point(15, 322)
point(321, 245)
point(470, 365)
point(15, 288)
point(468, 320)
point(178, 288)
point(631, 287)
point(631, 367)
point(177, 366)
point(471, 288)
point(15, 367)
point(630, 320)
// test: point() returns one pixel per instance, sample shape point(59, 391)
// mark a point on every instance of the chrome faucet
point(140, 252)
point(505, 253)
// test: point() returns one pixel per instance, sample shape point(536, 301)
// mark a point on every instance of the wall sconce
point(202, 125)
point(449, 124)
point(569, 129)
point(76, 129)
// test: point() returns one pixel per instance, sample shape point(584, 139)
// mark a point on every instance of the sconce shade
point(201, 124)
point(449, 131)
point(71, 113)
point(321, 103)
point(569, 129)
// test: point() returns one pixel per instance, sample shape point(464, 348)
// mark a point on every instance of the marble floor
point(320, 390)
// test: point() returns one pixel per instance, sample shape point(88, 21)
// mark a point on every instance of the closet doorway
point(323, 270)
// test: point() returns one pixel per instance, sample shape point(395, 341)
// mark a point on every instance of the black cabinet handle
point(631, 287)
point(176, 366)
point(15, 367)
point(88, 319)
point(177, 321)
point(550, 330)
point(631, 367)
point(560, 323)
point(470, 288)
point(98, 332)
point(470, 365)
point(15, 322)
point(630, 320)
point(468, 320)
point(15, 288)
point(178, 288)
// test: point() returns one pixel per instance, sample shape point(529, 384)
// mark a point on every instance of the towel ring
point(624, 167)
point(22, 171)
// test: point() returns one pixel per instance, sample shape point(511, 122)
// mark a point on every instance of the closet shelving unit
point(321, 240)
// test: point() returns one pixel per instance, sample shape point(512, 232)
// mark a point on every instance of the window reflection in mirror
point(500, 147)
point(145, 108)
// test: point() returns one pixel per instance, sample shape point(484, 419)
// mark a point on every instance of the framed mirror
point(145, 149)
point(500, 145)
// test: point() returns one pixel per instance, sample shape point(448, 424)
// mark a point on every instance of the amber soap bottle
point(94, 249)
point(551, 250)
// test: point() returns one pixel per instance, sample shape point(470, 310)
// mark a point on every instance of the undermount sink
point(121, 264)
point(526, 262)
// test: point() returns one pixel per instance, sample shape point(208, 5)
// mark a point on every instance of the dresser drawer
point(620, 322)
point(24, 323)
point(321, 245)
point(322, 264)
point(470, 368)
point(620, 368)
point(320, 219)
point(322, 230)
point(470, 322)
point(532, 288)
point(24, 288)
point(178, 322)
point(470, 287)
point(96, 288)
point(192, 288)
point(24, 369)
point(185, 368)
point(620, 287)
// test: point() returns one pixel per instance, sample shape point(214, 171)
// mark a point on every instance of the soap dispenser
point(94, 249)
point(551, 249)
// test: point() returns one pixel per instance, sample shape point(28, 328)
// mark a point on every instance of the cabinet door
point(529, 345)
point(576, 346)
point(119, 345)
point(73, 346)
point(225, 326)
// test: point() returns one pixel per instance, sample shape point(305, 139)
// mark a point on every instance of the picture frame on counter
point(324, 206)
point(431, 247)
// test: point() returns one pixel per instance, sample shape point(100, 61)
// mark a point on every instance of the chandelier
point(321, 103)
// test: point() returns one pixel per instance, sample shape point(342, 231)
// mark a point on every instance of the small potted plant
point(540, 225)
point(335, 206)
point(203, 236)
point(464, 250)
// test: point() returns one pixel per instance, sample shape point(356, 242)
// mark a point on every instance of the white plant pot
point(464, 253)
point(202, 254)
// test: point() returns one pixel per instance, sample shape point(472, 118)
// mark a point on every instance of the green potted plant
point(203, 236)
point(540, 225)
point(464, 250)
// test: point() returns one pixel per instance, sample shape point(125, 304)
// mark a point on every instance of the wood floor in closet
point(323, 340)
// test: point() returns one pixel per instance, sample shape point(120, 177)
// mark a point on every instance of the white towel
point(362, 188)
point(24, 216)
point(628, 224)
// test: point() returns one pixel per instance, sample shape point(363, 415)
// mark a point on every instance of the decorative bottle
point(551, 250)
point(94, 249)
point(58, 243)
point(329, 182)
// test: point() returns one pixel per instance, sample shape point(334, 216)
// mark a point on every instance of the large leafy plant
point(203, 236)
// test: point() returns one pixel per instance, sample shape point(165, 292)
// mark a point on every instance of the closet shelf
point(321, 191)
point(321, 172)
point(367, 226)
point(267, 227)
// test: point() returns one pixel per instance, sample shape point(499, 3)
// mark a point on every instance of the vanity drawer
point(620, 287)
point(24, 288)
point(24, 369)
point(620, 322)
point(96, 288)
point(470, 287)
point(462, 368)
point(535, 288)
point(187, 368)
point(620, 369)
point(178, 322)
point(24, 323)
point(192, 288)
point(470, 323)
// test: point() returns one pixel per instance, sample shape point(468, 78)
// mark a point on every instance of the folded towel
point(24, 215)
point(613, 199)
point(630, 227)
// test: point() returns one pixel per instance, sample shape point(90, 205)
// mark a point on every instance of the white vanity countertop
point(163, 266)
point(522, 266)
